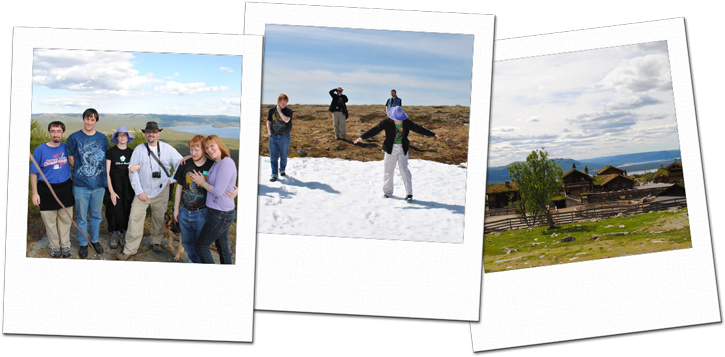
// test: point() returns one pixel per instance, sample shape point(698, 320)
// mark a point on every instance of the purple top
point(222, 176)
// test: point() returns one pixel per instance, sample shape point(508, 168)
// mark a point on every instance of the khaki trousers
point(396, 157)
point(138, 216)
point(338, 121)
point(57, 227)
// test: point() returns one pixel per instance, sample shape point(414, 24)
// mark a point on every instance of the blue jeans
point(191, 223)
point(88, 199)
point(216, 229)
point(278, 150)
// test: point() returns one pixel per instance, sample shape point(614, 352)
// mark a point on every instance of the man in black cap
point(339, 112)
point(151, 184)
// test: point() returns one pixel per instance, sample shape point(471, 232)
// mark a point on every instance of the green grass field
point(648, 233)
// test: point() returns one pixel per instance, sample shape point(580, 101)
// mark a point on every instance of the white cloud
point(231, 100)
point(533, 119)
point(361, 87)
point(505, 129)
point(640, 74)
point(88, 71)
point(633, 102)
point(226, 69)
point(172, 87)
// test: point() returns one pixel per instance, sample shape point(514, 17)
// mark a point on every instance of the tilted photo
point(584, 159)
point(134, 156)
point(364, 133)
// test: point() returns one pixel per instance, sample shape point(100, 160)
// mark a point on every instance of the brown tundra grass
point(312, 132)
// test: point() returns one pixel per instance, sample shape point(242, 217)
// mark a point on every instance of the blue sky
point(425, 68)
point(69, 81)
point(585, 104)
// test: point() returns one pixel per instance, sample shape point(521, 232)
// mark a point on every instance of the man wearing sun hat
point(119, 194)
point(396, 147)
point(151, 186)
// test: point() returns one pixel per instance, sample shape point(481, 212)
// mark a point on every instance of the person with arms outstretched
point(396, 145)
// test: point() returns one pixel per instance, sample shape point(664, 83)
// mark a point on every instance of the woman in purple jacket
point(221, 178)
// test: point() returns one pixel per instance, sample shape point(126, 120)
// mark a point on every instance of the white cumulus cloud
point(226, 69)
point(88, 71)
point(640, 74)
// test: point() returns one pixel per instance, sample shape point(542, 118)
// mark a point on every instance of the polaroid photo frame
point(130, 299)
point(623, 294)
point(336, 275)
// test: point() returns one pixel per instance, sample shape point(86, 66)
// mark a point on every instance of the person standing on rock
point(279, 127)
point(53, 162)
point(86, 152)
point(151, 186)
point(396, 145)
point(339, 112)
point(119, 195)
point(393, 101)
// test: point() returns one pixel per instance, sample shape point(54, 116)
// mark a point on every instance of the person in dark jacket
point(339, 112)
point(279, 126)
point(396, 147)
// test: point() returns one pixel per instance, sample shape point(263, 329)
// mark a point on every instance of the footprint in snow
point(372, 218)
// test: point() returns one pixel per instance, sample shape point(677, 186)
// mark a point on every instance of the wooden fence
point(583, 215)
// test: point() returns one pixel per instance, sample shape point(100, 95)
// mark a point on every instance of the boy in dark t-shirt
point(190, 202)
point(279, 126)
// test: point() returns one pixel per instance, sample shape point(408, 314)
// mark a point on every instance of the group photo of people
point(335, 131)
point(138, 187)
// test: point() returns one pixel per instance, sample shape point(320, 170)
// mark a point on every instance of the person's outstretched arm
point(372, 132)
point(422, 131)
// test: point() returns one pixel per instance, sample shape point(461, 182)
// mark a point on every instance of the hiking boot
point(122, 256)
point(121, 242)
point(409, 197)
point(283, 173)
point(156, 247)
point(114, 240)
point(386, 196)
point(98, 247)
point(65, 252)
point(54, 252)
point(273, 179)
point(83, 252)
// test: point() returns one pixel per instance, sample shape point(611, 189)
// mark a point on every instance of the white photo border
point(374, 276)
point(619, 295)
point(131, 299)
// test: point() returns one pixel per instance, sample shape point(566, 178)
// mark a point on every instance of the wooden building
point(501, 194)
point(612, 182)
point(611, 170)
point(576, 182)
point(675, 172)
point(674, 191)
point(670, 174)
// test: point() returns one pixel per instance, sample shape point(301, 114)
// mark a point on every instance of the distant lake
point(231, 132)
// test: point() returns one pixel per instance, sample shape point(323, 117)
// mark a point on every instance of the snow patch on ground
point(342, 198)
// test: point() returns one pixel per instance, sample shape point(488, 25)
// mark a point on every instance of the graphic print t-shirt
point(398, 134)
point(279, 127)
point(119, 159)
point(89, 159)
point(53, 162)
point(193, 196)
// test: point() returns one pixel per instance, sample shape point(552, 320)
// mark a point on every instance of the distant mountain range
point(139, 120)
point(630, 162)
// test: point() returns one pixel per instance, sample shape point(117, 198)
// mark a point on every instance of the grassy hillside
point(649, 232)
